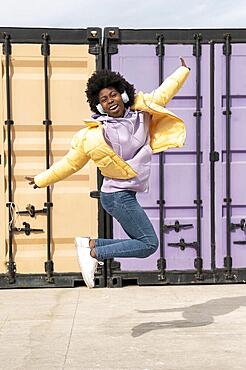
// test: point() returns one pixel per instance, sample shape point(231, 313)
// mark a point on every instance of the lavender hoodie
point(128, 136)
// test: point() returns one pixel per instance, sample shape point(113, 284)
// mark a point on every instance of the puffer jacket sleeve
point(73, 161)
point(166, 91)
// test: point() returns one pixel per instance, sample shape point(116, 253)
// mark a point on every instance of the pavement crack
point(71, 331)
point(3, 323)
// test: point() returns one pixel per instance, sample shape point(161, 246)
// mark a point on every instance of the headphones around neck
point(124, 97)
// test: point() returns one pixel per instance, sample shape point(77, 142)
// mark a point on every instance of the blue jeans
point(124, 207)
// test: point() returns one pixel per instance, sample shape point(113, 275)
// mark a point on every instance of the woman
point(121, 137)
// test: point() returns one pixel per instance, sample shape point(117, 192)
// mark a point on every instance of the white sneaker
point(82, 242)
point(87, 263)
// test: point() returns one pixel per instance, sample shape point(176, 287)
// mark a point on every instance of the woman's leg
point(101, 242)
point(124, 207)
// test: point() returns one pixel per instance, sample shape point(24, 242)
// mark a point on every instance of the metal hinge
point(227, 44)
point(45, 47)
point(95, 194)
point(7, 45)
point(225, 112)
point(8, 122)
point(214, 156)
point(112, 35)
point(160, 48)
point(197, 113)
point(94, 38)
point(197, 49)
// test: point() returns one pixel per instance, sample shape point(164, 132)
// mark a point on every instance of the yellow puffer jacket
point(166, 131)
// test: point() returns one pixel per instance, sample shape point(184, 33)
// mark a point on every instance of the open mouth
point(114, 107)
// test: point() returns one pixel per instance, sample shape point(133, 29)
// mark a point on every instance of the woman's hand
point(31, 181)
point(183, 64)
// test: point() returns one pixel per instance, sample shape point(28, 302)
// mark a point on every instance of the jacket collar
point(97, 120)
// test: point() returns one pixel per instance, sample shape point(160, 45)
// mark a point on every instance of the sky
point(123, 14)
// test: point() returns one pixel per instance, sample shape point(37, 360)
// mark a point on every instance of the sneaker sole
point(80, 256)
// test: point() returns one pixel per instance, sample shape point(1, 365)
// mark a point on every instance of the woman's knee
point(152, 247)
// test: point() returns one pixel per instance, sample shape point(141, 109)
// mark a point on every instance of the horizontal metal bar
point(176, 277)
point(176, 36)
point(123, 278)
point(32, 211)
point(182, 245)
point(126, 36)
point(177, 226)
point(241, 225)
point(56, 35)
point(71, 279)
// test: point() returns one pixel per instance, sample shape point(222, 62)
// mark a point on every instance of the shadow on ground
point(194, 316)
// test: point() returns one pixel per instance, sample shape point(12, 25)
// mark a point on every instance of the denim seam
point(139, 229)
point(132, 250)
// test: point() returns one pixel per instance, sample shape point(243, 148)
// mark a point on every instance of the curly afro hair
point(104, 79)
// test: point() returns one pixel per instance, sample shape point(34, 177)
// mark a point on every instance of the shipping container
point(195, 199)
point(44, 74)
point(196, 196)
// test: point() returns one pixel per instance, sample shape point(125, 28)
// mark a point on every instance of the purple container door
point(139, 64)
point(238, 153)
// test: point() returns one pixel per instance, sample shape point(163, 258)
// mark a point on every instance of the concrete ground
point(170, 327)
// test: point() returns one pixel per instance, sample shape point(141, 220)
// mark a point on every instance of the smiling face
point(112, 103)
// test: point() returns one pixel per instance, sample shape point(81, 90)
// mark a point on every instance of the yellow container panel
point(74, 212)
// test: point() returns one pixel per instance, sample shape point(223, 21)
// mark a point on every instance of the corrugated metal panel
point(179, 163)
point(237, 155)
point(74, 212)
